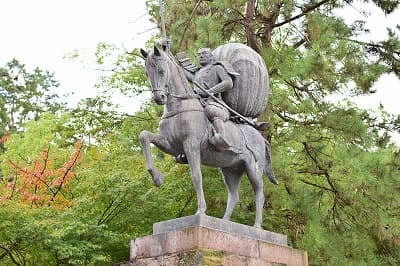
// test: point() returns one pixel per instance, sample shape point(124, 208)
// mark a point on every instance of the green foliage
point(127, 74)
point(93, 119)
point(46, 234)
point(112, 197)
point(49, 236)
point(338, 167)
point(24, 95)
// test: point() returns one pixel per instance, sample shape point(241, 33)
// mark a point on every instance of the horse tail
point(268, 166)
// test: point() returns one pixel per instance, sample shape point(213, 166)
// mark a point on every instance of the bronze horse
point(185, 129)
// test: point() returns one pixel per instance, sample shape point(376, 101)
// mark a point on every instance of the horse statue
point(185, 130)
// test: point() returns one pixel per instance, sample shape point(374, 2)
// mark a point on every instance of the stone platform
point(204, 240)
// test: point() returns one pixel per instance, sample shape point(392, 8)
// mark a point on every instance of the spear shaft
point(164, 33)
point(248, 121)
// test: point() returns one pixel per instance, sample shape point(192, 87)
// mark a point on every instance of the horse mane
point(169, 58)
point(181, 73)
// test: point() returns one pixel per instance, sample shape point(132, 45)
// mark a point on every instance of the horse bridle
point(181, 96)
point(169, 93)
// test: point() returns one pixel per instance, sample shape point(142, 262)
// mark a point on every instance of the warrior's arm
point(226, 81)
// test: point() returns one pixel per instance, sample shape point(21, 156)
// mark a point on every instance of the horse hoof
point(200, 212)
point(257, 225)
point(273, 179)
point(157, 177)
point(227, 218)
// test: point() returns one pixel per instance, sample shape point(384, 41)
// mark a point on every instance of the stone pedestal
point(204, 240)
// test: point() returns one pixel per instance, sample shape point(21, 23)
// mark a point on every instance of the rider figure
point(213, 77)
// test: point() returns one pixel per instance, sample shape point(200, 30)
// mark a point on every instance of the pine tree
point(339, 171)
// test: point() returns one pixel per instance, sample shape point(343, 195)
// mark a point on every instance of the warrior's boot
point(219, 139)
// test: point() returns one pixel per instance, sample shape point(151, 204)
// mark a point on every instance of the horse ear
point(143, 52)
point(156, 51)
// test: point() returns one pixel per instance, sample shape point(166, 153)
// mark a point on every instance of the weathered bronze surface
point(198, 129)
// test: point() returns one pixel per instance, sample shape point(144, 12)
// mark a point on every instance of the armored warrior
point(216, 78)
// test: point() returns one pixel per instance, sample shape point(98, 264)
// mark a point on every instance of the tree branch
point(305, 12)
point(186, 204)
point(318, 186)
point(105, 211)
point(318, 164)
point(299, 43)
point(78, 152)
point(250, 33)
point(269, 21)
point(188, 21)
point(16, 167)
point(8, 251)
point(373, 45)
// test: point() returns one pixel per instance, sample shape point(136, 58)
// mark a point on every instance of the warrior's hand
point(220, 87)
point(201, 93)
point(182, 57)
point(165, 44)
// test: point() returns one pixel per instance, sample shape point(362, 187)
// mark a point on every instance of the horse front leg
point(192, 151)
point(159, 141)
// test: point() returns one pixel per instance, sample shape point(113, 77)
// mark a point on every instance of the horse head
point(158, 72)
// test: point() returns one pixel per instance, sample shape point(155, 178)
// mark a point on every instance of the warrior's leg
point(220, 140)
point(217, 114)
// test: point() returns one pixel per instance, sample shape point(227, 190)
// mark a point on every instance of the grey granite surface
point(221, 225)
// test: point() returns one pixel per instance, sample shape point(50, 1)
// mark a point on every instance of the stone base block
point(203, 240)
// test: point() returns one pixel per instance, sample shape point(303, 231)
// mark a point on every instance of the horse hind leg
point(255, 174)
point(232, 179)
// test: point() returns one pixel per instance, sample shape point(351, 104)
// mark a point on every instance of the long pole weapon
point(164, 40)
point(165, 43)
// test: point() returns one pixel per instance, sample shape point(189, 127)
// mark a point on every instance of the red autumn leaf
point(40, 182)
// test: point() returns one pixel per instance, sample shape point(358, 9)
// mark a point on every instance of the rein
point(177, 112)
point(179, 96)
point(188, 94)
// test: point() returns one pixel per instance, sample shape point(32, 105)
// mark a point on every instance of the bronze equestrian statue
point(186, 130)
